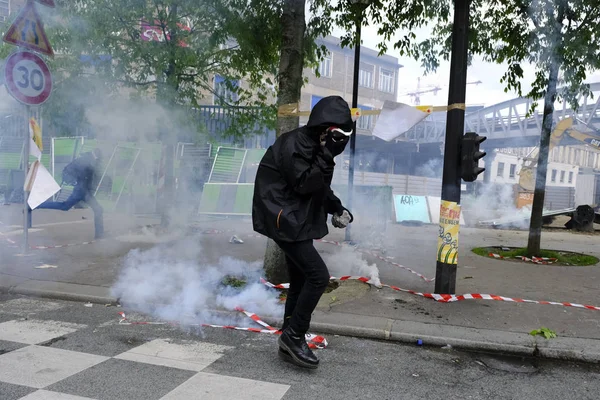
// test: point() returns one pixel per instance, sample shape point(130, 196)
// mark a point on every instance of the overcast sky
point(489, 92)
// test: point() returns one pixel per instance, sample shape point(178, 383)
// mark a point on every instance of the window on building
point(4, 10)
point(513, 170)
point(225, 91)
point(553, 178)
point(571, 156)
point(325, 66)
point(314, 100)
point(571, 177)
point(386, 80)
point(562, 176)
point(500, 172)
point(364, 122)
point(365, 78)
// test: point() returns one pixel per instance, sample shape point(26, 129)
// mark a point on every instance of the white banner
point(41, 185)
point(397, 118)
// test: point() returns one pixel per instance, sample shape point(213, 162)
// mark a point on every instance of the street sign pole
point(28, 79)
point(25, 188)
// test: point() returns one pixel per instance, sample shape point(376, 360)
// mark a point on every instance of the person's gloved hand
point(341, 221)
point(325, 163)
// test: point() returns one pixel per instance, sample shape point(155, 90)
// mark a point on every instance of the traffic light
point(470, 156)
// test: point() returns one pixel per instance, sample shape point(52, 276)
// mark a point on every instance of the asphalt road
point(50, 347)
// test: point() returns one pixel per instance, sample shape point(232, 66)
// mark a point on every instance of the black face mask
point(336, 143)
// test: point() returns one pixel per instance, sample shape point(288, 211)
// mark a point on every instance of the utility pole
point(447, 254)
point(358, 7)
point(353, 137)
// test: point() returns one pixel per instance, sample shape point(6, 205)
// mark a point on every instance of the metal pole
point(354, 105)
point(25, 191)
point(127, 177)
point(105, 170)
point(447, 254)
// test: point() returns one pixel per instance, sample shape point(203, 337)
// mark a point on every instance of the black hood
point(330, 111)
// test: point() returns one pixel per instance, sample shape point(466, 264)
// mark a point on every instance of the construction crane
point(416, 95)
point(562, 129)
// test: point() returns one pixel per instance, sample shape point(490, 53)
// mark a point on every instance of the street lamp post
point(358, 8)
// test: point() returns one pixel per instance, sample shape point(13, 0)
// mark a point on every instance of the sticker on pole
point(28, 31)
point(448, 236)
point(27, 78)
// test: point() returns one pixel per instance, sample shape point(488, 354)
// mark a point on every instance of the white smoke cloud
point(496, 202)
point(431, 169)
point(349, 261)
point(174, 283)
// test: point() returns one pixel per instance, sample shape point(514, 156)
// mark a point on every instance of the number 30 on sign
point(28, 78)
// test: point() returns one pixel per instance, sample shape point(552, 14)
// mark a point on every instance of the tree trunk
point(291, 65)
point(535, 227)
point(166, 96)
point(291, 62)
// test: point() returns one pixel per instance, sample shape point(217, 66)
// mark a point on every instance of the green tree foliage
point(175, 48)
point(171, 49)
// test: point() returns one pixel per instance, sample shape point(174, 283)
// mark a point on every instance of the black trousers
point(309, 278)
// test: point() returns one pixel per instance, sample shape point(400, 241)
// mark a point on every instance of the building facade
point(9, 7)
point(378, 80)
point(565, 163)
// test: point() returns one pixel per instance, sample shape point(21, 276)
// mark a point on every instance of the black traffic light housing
point(470, 156)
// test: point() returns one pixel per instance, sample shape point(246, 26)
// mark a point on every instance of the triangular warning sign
point(48, 3)
point(28, 31)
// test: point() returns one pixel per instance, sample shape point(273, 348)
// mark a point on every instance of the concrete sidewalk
point(86, 273)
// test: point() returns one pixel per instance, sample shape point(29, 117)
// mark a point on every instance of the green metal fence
point(227, 199)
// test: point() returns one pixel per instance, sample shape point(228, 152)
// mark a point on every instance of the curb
point(55, 295)
point(64, 291)
point(376, 328)
point(411, 338)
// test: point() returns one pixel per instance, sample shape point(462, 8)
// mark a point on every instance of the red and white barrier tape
point(449, 298)
point(535, 260)
point(314, 341)
point(10, 241)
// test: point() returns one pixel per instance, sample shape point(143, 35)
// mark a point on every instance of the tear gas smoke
point(431, 169)
point(347, 261)
point(496, 201)
point(174, 283)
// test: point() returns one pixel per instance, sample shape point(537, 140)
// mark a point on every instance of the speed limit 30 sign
point(27, 78)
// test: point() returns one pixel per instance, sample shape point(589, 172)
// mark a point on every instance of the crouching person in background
point(82, 173)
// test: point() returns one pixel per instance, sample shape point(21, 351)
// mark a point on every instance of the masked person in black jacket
point(292, 197)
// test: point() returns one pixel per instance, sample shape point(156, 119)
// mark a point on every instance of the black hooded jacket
point(292, 191)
